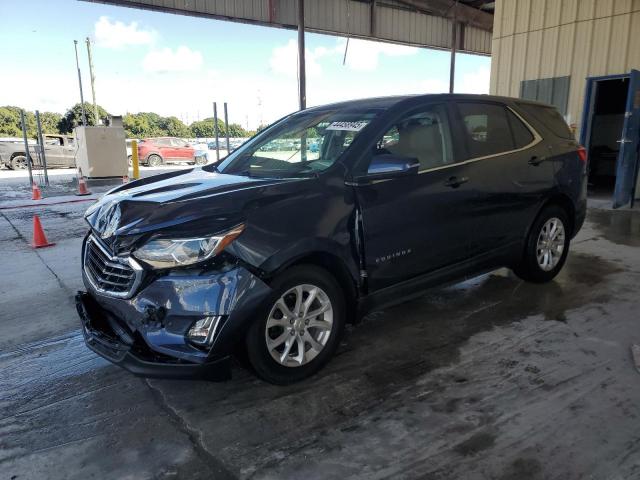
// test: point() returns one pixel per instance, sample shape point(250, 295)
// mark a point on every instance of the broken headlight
point(167, 253)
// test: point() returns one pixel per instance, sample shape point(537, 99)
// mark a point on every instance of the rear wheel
point(299, 328)
point(154, 160)
point(547, 246)
point(19, 162)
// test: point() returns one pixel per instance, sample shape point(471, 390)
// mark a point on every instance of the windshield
point(300, 145)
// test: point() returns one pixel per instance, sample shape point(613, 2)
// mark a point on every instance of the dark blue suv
point(274, 249)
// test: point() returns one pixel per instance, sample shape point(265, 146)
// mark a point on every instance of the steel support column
point(302, 77)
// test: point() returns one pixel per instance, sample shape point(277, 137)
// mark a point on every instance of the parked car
point(60, 151)
point(275, 256)
point(154, 152)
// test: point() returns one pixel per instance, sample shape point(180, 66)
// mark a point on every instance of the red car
point(154, 152)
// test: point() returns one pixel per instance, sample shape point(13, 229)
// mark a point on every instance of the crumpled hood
point(193, 202)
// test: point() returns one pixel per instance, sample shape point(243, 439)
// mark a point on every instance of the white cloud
point(475, 82)
point(364, 55)
point(183, 59)
point(284, 60)
point(434, 85)
point(118, 35)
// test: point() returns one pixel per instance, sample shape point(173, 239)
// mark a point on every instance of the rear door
point(626, 166)
point(512, 172)
point(419, 223)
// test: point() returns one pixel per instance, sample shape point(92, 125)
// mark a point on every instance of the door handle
point(535, 161)
point(455, 182)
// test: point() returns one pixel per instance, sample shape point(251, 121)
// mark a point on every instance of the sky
point(178, 65)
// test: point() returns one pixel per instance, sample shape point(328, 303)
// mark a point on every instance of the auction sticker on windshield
point(348, 126)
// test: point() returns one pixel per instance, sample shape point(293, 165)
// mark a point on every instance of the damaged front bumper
point(147, 334)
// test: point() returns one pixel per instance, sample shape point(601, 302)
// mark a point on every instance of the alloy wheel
point(299, 325)
point(550, 244)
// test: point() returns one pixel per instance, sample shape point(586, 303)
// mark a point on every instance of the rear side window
point(550, 118)
point(487, 128)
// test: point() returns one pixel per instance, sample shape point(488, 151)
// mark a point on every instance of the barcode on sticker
point(348, 126)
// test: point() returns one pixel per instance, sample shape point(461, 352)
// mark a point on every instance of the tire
point(319, 341)
point(201, 160)
point(19, 162)
point(154, 160)
point(534, 265)
point(130, 161)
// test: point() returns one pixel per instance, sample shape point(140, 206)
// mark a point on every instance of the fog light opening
point(203, 331)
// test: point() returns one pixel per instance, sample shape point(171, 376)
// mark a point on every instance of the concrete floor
point(490, 378)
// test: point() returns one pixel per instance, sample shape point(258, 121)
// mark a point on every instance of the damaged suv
point(272, 251)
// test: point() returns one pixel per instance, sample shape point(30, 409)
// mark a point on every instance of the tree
point(142, 125)
point(173, 127)
point(73, 117)
point(50, 121)
point(236, 130)
point(10, 122)
point(205, 128)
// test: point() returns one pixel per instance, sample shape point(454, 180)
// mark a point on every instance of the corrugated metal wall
point(534, 39)
point(394, 22)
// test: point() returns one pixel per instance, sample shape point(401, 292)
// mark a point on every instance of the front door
point(626, 165)
point(416, 224)
point(54, 150)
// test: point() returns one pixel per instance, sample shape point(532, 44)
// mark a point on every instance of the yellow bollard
point(134, 159)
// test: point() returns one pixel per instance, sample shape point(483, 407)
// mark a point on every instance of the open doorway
point(606, 122)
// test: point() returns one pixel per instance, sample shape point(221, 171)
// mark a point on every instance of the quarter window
point(424, 136)
point(522, 136)
point(492, 129)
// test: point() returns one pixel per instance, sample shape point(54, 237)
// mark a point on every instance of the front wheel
point(299, 328)
point(546, 247)
point(154, 160)
point(201, 160)
point(19, 162)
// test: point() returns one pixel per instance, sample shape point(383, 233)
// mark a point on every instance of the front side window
point(424, 135)
point(489, 130)
point(54, 141)
point(302, 144)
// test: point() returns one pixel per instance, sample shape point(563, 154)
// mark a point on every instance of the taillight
point(582, 154)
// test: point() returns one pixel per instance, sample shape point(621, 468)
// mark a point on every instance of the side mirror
point(388, 166)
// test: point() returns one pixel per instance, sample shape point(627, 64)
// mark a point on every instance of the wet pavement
point(488, 378)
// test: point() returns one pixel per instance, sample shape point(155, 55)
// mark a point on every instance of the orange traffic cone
point(35, 192)
point(82, 187)
point(39, 238)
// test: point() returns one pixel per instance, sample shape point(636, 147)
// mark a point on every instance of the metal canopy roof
point(423, 23)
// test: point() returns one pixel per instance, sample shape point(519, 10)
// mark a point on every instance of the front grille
point(108, 274)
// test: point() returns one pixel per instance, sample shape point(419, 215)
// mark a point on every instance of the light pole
point(93, 80)
point(84, 114)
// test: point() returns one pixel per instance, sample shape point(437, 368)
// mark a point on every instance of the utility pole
point(84, 114)
point(93, 81)
point(226, 126)
point(215, 129)
point(302, 78)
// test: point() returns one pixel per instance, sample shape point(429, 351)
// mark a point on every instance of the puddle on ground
point(617, 226)
point(432, 329)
